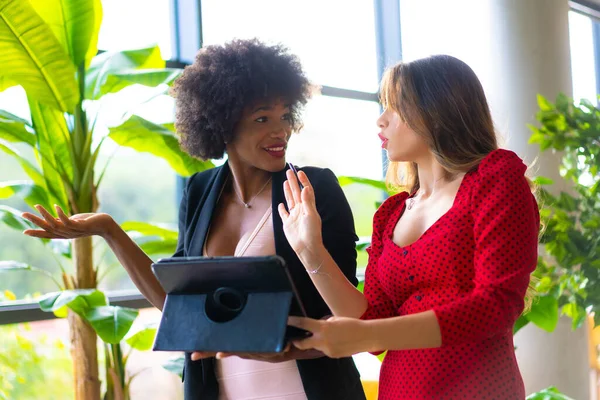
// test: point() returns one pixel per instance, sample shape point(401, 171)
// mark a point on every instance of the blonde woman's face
point(402, 143)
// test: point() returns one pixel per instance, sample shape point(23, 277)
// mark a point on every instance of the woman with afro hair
point(242, 99)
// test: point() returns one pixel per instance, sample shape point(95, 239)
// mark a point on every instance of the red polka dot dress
point(472, 268)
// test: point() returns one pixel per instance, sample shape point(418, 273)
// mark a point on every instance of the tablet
point(229, 304)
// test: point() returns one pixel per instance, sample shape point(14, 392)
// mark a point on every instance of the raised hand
point(64, 227)
point(302, 223)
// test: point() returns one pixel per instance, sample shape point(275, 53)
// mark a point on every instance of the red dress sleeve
point(505, 231)
point(379, 304)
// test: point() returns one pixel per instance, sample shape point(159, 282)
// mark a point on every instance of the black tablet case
point(228, 304)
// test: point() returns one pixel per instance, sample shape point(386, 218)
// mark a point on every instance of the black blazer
point(322, 378)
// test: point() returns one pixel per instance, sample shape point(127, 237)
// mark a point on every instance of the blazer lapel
point(206, 210)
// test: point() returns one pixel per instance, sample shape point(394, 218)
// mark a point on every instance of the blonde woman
point(451, 255)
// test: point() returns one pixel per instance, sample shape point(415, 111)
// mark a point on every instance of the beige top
point(241, 379)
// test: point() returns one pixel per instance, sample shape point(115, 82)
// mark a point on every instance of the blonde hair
point(442, 100)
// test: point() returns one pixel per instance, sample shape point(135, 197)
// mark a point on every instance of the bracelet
point(316, 270)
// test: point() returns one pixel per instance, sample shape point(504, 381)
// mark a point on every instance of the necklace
point(411, 201)
point(247, 204)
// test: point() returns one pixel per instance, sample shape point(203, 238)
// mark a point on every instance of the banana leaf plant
point(111, 323)
point(49, 48)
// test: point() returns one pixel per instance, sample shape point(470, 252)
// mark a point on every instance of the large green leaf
point(111, 323)
point(522, 321)
point(6, 82)
point(544, 313)
point(54, 146)
point(145, 136)
point(577, 314)
point(347, 180)
point(159, 247)
point(78, 300)
point(175, 365)
point(29, 191)
point(142, 340)
point(110, 63)
point(12, 217)
point(8, 266)
point(149, 230)
point(5, 115)
point(541, 180)
point(11, 188)
point(75, 24)
point(61, 247)
point(363, 243)
point(550, 393)
point(544, 104)
point(29, 168)
point(33, 58)
point(146, 77)
point(361, 286)
point(14, 129)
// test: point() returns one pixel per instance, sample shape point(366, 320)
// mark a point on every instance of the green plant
point(33, 366)
point(49, 48)
point(550, 393)
point(569, 268)
point(111, 323)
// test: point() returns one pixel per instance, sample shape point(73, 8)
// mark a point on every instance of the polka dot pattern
point(472, 269)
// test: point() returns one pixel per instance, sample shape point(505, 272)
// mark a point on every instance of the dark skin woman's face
point(261, 136)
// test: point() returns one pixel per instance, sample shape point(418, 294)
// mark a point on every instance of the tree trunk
point(84, 350)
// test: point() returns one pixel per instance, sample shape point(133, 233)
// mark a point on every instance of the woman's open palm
point(302, 223)
point(64, 227)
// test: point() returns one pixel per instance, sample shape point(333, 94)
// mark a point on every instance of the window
point(131, 24)
point(133, 178)
point(583, 65)
point(340, 134)
point(334, 40)
point(466, 32)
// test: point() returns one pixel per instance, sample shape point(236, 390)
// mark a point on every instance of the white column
point(530, 55)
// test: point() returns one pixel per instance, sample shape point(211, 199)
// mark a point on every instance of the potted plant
point(49, 48)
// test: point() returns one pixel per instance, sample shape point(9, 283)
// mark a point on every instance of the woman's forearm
point(136, 263)
point(342, 298)
point(414, 331)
